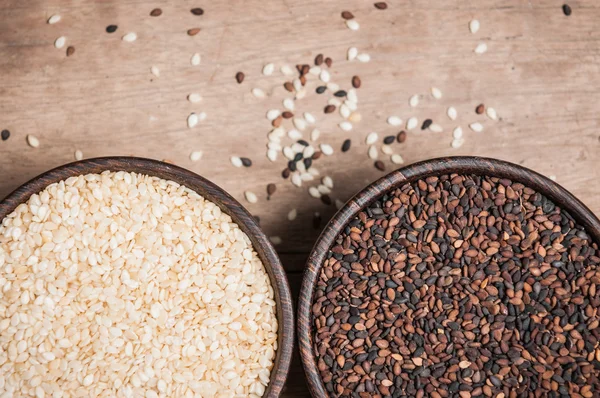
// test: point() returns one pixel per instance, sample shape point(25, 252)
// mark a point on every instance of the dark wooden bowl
point(414, 172)
point(266, 252)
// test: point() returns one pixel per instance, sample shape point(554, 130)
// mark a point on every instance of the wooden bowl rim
point(213, 193)
point(433, 167)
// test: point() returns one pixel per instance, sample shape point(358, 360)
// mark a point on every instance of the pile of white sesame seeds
point(126, 285)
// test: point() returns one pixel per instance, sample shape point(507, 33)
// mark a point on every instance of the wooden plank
point(540, 73)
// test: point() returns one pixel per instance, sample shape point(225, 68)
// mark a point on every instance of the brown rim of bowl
point(434, 167)
point(210, 191)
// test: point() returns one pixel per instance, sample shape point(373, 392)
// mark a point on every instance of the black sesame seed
point(285, 173)
point(321, 89)
point(197, 11)
point(567, 9)
point(302, 142)
point(5, 134)
point(111, 28)
point(426, 124)
point(346, 145)
point(292, 165)
point(298, 157)
point(246, 162)
point(340, 93)
point(307, 163)
point(389, 139)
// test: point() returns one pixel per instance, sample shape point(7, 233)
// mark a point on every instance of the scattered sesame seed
point(457, 133)
point(457, 143)
point(371, 138)
point(192, 120)
point(491, 113)
point(481, 48)
point(246, 162)
point(292, 214)
point(323, 189)
point(426, 124)
point(5, 135)
point(236, 161)
point(310, 119)
point(258, 93)
point(157, 12)
point(347, 15)
point(202, 116)
point(193, 31)
point(197, 11)
point(287, 70)
point(474, 26)
point(436, 128)
point(315, 134)
point(356, 82)
point(297, 179)
point(70, 51)
point(54, 19)
point(324, 76)
point(397, 159)
point(78, 155)
point(288, 103)
point(363, 57)
point(480, 109)
point(379, 165)
point(155, 71)
point(268, 69)
point(196, 156)
point(33, 141)
point(130, 37)
point(195, 60)
point(194, 98)
point(300, 124)
point(477, 127)
point(394, 121)
point(111, 28)
point(452, 113)
point(272, 114)
point(250, 197)
point(346, 126)
point(412, 123)
point(352, 53)
point(326, 149)
point(352, 24)
point(60, 42)
point(436, 93)
point(373, 153)
point(389, 139)
point(413, 101)
point(387, 149)
point(327, 181)
point(345, 111)
point(567, 9)
point(314, 192)
point(381, 5)
point(552, 177)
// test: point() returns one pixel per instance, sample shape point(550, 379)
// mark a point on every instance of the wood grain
point(541, 74)
point(410, 174)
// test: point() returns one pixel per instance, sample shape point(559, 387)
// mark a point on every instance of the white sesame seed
point(258, 93)
point(352, 105)
point(351, 95)
point(130, 37)
point(314, 192)
point(306, 176)
point(327, 181)
point(371, 138)
point(300, 94)
point(288, 153)
point(397, 159)
point(196, 156)
point(54, 19)
point(394, 121)
point(481, 48)
point(274, 145)
point(334, 101)
point(33, 141)
point(202, 116)
point(436, 128)
point(276, 240)
point(299, 123)
point(288, 104)
point(491, 113)
point(308, 152)
point(298, 148)
point(273, 114)
point(332, 86)
point(310, 119)
point(195, 59)
point(352, 24)
point(250, 197)
point(286, 70)
point(436, 93)
point(155, 71)
point(387, 149)
point(236, 161)
point(474, 26)
point(323, 189)
point(272, 155)
point(268, 69)
point(364, 57)
point(297, 84)
point(60, 42)
point(326, 149)
point(552, 177)
point(324, 76)
point(315, 134)
point(315, 70)
point(192, 120)
point(373, 153)
point(477, 127)
point(452, 113)
point(78, 155)
point(457, 143)
point(345, 126)
point(344, 111)
point(412, 123)
point(297, 179)
point(292, 214)
point(352, 53)
point(413, 101)
point(457, 133)
point(194, 98)
point(294, 134)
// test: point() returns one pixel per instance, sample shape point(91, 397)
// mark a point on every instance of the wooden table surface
point(541, 73)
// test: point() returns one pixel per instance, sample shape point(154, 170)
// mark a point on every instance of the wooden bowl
point(414, 172)
point(211, 192)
